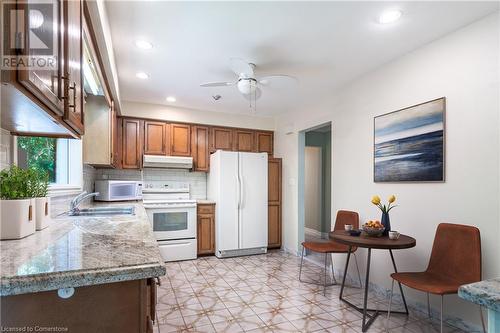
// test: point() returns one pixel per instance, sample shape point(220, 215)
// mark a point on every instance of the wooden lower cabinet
point(206, 229)
point(274, 202)
point(113, 307)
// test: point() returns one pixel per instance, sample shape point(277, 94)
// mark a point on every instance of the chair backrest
point(346, 217)
point(456, 253)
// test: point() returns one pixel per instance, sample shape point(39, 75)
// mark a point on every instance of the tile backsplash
point(197, 180)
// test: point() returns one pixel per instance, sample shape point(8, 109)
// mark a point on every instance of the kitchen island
point(487, 294)
point(82, 274)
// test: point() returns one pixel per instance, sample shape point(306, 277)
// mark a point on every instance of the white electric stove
point(172, 214)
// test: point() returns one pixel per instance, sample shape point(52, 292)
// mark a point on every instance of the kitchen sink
point(106, 211)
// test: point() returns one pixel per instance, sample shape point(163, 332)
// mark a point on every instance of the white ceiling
point(323, 44)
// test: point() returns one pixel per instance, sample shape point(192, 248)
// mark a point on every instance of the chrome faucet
point(73, 206)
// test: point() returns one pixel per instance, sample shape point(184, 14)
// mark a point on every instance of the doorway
point(315, 179)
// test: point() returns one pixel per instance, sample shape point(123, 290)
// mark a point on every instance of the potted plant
point(386, 222)
point(16, 204)
point(39, 188)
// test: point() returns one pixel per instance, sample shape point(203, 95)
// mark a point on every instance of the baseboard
point(315, 233)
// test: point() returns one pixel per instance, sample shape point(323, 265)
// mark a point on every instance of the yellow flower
point(375, 200)
point(392, 198)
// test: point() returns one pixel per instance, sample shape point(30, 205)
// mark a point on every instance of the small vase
point(386, 222)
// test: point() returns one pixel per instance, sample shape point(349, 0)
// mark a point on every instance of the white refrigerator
point(237, 182)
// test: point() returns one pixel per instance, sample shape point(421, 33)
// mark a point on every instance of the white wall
point(463, 67)
point(5, 149)
point(313, 188)
point(164, 112)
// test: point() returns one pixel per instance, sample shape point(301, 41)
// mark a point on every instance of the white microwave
point(118, 190)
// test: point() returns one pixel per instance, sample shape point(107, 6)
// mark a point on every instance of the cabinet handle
point(74, 95)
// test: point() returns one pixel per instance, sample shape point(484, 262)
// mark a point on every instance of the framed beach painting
point(409, 144)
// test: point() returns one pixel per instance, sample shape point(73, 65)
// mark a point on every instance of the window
point(60, 158)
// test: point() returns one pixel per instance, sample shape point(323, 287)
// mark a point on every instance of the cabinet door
point(274, 180)
point(180, 140)
point(265, 142)
point(274, 202)
point(73, 87)
point(132, 144)
point(119, 143)
point(244, 140)
point(199, 149)
point(274, 226)
point(155, 138)
point(221, 138)
point(206, 234)
point(45, 82)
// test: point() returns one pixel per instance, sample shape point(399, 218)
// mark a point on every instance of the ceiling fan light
point(247, 86)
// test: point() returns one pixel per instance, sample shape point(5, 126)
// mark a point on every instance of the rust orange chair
point(329, 247)
point(455, 260)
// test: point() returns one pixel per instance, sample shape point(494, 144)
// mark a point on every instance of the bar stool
point(328, 248)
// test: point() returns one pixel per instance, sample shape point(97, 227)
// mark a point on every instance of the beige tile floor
point(262, 294)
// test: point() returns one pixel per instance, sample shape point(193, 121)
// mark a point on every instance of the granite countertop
point(485, 293)
point(81, 251)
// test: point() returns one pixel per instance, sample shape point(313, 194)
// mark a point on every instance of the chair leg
point(357, 268)
point(442, 299)
point(482, 319)
point(390, 303)
point(429, 306)
point(333, 271)
point(301, 262)
point(324, 286)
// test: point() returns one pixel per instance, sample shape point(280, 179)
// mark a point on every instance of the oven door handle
point(169, 207)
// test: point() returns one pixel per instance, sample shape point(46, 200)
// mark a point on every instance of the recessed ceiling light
point(171, 99)
point(390, 16)
point(142, 44)
point(142, 75)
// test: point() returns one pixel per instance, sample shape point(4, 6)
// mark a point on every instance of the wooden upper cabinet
point(199, 148)
point(46, 82)
point(118, 139)
point(244, 140)
point(274, 180)
point(221, 138)
point(180, 140)
point(265, 142)
point(73, 50)
point(132, 143)
point(155, 138)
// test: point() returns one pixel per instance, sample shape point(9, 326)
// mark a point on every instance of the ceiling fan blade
point(217, 84)
point(241, 67)
point(254, 96)
point(279, 78)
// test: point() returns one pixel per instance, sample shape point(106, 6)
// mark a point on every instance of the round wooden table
point(381, 243)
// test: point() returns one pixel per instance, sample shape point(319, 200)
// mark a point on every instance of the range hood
point(168, 162)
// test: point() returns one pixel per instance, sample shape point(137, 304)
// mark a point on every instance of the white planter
point(42, 212)
point(18, 218)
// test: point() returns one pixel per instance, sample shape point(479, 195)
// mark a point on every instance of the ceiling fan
point(247, 83)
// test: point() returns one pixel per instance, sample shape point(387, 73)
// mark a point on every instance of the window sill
point(62, 190)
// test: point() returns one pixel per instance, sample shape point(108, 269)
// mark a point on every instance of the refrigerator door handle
point(242, 194)
point(238, 187)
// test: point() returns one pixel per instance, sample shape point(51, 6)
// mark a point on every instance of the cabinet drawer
point(206, 208)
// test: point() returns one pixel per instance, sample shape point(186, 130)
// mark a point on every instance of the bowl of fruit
point(373, 228)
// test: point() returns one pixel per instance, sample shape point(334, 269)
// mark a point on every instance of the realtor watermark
point(29, 35)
